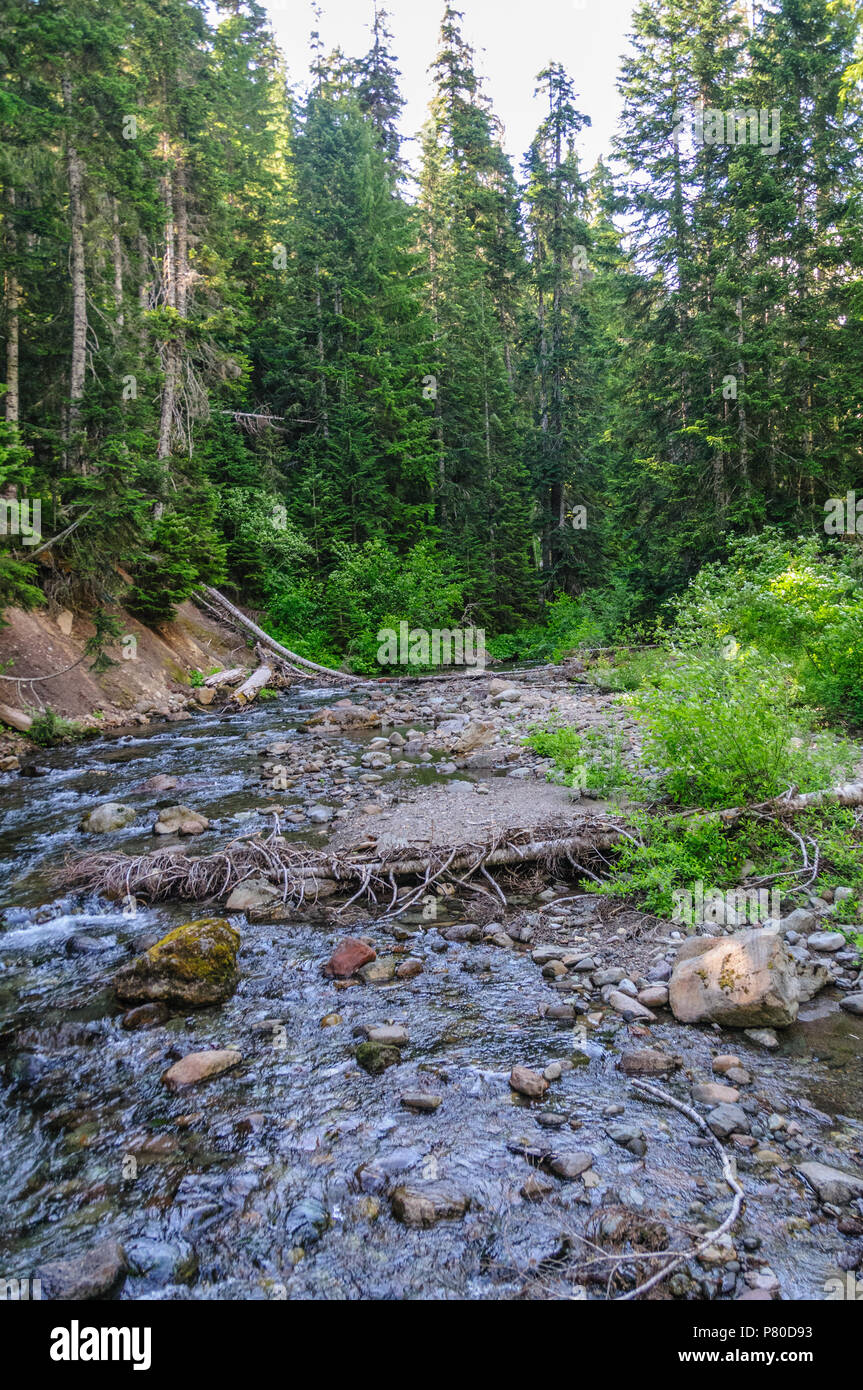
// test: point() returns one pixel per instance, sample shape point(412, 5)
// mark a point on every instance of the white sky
point(514, 40)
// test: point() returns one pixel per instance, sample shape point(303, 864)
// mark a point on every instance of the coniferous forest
point(245, 343)
point(327, 974)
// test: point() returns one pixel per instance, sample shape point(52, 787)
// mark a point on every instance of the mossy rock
point(192, 966)
point(376, 1057)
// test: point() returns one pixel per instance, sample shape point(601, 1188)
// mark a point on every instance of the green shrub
point(592, 761)
point(720, 731)
point(49, 728)
point(801, 601)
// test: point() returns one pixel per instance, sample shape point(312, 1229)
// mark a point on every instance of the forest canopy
point(246, 344)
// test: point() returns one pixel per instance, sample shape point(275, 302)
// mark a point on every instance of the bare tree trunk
point(13, 298)
point(741, 408)
point(169, 294)
point(319, 316)
point(117, 252)
point(78, 272)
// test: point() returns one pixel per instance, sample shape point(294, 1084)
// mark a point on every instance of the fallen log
point(16, 718)
point(290, 866)
point(250, 689)
point(225, 677)
point(373, 877)
point(275, 646)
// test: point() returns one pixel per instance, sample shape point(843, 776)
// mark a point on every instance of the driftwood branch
point(174, 874)
point(648, 1091)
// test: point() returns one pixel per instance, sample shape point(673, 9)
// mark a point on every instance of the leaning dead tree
point(291, 658)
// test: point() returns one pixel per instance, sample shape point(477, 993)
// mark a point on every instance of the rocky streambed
point(441, 1105)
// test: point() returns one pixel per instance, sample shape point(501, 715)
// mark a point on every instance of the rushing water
point(272, 1181)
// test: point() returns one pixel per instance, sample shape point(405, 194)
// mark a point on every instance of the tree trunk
point(13, 299)
point(78, 273)
point(169, 295)
point(117, 253)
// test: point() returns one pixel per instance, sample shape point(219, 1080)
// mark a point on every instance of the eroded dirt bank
point(333, 1160)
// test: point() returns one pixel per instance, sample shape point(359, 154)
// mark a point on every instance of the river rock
point(647, 1061)
point(629, 1137)
point(306, 1222)
point(345, 715)
point(801, 920)
point(254, 892)
point(111, 815)
point(630, 1008)
point(409, 969)
point(349, 955)
point(378, 972)
point(653, 996)
point(477, 735)
point(390, 1035)
point(94, 1274)
point(528, 1083)
point(811, 977)
point(200, 1066)
point(422, 1205)
point(569, 1165)
point(421, 1101)
point(144, 1016)
point(180, 820)
point(832, 1184)
point(741, 981)
point(728, 1119)
point(375, 1057)
point(827, 941)
point(762, 1037)
point(852, 1003)
point(713, 1093)
point(195, 965)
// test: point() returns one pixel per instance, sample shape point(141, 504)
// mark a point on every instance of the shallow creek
point(273, 1180)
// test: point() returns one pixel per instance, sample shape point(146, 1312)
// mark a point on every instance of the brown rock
point(200, 1066)
point(423, 1204)
point(528, 1083)
point(94, 1274)
point(347, 958)
point(647, 1061)
point(746, 980)
point(409, 969)
point(712, 1093)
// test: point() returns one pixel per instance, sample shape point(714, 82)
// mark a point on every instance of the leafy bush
point(720, 731)
point(801, 601)
point(374, 587)
point(675, 852)
point(592, 761)
point(49, 728)
point(569, 624)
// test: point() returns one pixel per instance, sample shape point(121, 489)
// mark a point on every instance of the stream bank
point(286, 1175)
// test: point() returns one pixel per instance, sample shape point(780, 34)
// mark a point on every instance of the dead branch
point(651, 1092)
